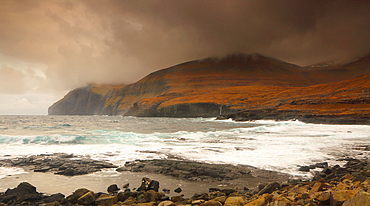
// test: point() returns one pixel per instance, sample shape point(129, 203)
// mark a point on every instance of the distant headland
point(238, 86)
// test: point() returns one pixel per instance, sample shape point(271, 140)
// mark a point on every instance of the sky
point(48, 48)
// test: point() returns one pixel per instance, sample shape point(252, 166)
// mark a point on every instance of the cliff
point(226, 85)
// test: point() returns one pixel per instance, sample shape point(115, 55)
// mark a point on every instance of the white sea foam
point(265, 144)
point(7, 171)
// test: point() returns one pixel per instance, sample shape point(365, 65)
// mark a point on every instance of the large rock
point(269, 188)
point(361, 198)
point(87, 199)
point(338, 197)
point(76, 195)
point(235, 201)
point(106, 200)
point(261, 201)
point(58, 163)
point(23, 192)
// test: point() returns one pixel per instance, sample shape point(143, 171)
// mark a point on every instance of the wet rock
point(203, 196)
point(150, 196)
point(190, 170)
point(220, 199)
point(87, 199)
point(59, 163)
point(23, 192)
point(213, 189)
point(178, 190)
point(145, 182)
point(177, 198)
point(167, 191)
point(360, 178)
point(153, 185)
point(106, 200)
point(228, 191)
point(76, 195)
point(305, 169)
point(55, 198)
point(122, 196)
point(269, 188)
point(129, 201)
point(113, 189)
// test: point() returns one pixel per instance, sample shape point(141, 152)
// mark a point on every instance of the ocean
point(279, 146)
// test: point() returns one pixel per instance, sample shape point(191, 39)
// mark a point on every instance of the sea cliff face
point(229, 85)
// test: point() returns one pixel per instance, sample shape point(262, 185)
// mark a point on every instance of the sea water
point(278, 146)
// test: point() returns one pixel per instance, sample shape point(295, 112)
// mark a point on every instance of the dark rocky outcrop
point(198, 171)
point(58, 163)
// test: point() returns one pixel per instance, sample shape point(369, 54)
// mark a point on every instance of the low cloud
point(112, 41)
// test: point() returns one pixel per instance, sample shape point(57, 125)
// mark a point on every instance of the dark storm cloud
point(122, 41)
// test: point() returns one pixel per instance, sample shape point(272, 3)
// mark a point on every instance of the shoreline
point(286, 115)
point(190, 174)
point(334, 185)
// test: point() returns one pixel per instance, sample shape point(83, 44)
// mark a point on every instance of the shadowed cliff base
point(307, 117)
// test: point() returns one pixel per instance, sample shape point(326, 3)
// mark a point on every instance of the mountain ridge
point(207, 86)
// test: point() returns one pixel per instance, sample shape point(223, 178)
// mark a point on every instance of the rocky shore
point(336, 185)
point(246, 185)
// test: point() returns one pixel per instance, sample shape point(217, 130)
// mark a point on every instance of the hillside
point(227, 85)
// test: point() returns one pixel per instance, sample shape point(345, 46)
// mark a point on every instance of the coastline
point(192, 175)
point(334, 185)
point(286, 115)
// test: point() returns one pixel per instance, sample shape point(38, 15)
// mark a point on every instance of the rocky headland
point(236, 86)
point(348, 185)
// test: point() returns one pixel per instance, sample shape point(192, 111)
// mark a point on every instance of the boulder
point(234, 201)
point(167, 203)
point(122, 196)
point(338, 197)
point(76, 195)
point(150, 196)
point(129, 201)
point(269, 188)
point(106, 200)
point(263, 200)
point(361, 198)
point(360, 178)
point(87, 199)
point(113, 189)
point(221, 199)
point(55, 197)
point(23, 192)
point(177, 199)
point(317, 187)
point(154, 185)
